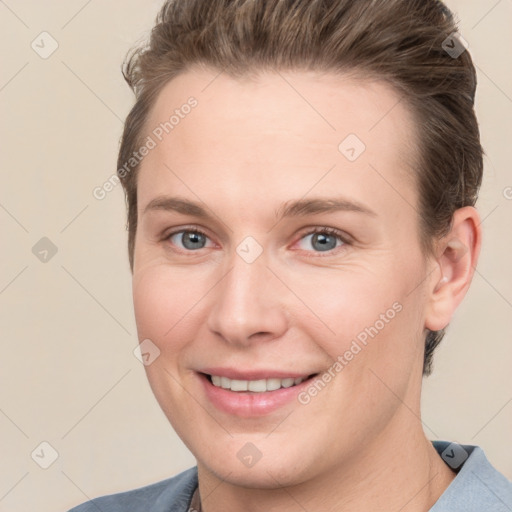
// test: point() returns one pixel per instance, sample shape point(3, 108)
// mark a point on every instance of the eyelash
point(324, 230)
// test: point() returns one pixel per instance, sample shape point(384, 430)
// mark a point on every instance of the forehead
point(277, 131)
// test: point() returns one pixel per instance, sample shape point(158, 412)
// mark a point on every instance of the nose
point(248, 304)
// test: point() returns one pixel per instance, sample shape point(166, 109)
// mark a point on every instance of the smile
point(256, 386)
point(256, 396)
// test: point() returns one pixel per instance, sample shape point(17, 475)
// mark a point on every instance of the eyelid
point(178, 229)
point(345, 237)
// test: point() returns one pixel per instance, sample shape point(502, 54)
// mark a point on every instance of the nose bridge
point(243, 303)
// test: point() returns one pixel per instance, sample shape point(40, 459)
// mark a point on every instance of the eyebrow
point(296, 208)
point(312, 206)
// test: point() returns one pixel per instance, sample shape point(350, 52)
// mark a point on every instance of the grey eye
point(321, 241)
point(190, 240)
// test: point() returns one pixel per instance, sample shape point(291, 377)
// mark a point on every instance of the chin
point(275, 467)
point(260, 476)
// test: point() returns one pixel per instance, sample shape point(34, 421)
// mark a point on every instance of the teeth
point(286, 383)
point(273, 384)
point(239, 385)
point(256, 386)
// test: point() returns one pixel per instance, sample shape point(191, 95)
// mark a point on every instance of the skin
point(246, 149)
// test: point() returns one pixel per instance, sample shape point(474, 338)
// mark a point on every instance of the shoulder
point(171, 494)
point(478, 485)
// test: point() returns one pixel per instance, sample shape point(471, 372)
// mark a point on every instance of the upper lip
point(237, 374)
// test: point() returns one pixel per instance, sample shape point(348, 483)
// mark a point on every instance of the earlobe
point(456, 260)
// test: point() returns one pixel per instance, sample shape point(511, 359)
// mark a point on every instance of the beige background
point(69, 376)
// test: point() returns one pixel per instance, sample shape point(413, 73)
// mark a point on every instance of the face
point(278, 271)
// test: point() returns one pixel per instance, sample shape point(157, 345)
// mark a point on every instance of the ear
point(455, 261)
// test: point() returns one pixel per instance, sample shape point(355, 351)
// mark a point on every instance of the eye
point(322, 240)
point(190, 239)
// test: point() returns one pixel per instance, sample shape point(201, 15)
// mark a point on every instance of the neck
point(399, 472)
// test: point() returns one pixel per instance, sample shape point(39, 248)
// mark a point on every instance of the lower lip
point(249, 404)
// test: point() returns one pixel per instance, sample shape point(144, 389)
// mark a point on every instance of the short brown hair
point(404, 42)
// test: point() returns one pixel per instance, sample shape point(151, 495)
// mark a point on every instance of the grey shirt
point(478, 487)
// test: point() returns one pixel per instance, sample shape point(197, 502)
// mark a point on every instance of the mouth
point(255, 397)
point(256, 386)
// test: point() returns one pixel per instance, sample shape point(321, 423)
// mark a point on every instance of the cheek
point(368, 320)
point(164, 311)
point(348, 304)
point(150, 305)
point(164, 299)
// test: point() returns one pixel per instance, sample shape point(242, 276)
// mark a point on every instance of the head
point(278, 106)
